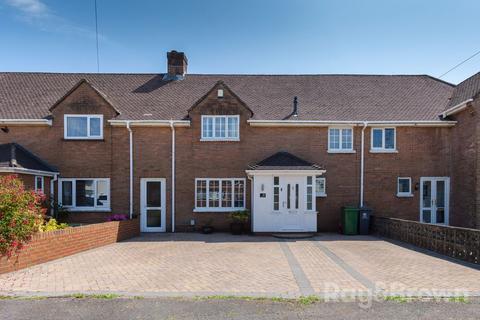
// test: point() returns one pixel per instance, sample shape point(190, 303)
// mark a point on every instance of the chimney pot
point(177, 63)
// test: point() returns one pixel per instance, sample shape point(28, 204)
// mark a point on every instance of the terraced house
point(182, 150)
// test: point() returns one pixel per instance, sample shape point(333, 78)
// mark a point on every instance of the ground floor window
point(404, 187)
point(39, 184)
point(85, 194)
point(320, 186)
point(225, 194)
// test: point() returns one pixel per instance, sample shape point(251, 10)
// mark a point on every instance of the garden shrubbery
point(21, 214)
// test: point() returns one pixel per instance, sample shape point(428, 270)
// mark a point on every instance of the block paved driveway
point(221, 264)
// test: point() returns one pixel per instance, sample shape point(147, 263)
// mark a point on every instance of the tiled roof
point(13, 155)
point(270, 97)
point(284, 161)
point(467, 89)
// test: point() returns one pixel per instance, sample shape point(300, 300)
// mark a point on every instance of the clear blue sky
point(247, 36)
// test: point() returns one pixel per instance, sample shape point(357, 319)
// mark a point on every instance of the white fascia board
point(323, 123)
point(285, 172)
point(26, 122)
point(28, 171)
point(150, 123)
point(456, 108)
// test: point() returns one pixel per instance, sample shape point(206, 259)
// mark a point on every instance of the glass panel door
point(440, 202)
point(434, 200)
point(153, 205)
point(426, 206)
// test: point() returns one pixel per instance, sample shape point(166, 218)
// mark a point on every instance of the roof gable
point(284, 161)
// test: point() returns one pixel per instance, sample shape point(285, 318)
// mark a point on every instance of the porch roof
point(14, 156)
point(284, 161)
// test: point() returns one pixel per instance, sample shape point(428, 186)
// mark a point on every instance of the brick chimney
point(176, 65)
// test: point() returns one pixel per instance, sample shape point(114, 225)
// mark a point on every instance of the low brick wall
point(460, 243)
point(47, 246)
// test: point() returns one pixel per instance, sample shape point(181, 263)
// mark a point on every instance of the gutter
point(130, 136)
point(150, 123)
point(456, 108)
point(172, 126)
point(327, 123)
point(362, 163)
point(26, 122)
point(29, 171)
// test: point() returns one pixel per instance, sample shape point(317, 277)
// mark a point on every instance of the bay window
point(219, 194)
point(85, 194)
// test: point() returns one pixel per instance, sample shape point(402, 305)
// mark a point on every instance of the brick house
point(182, 150)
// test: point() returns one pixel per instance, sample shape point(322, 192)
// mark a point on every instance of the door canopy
point(286, 163)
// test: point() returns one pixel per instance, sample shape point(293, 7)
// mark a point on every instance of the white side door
point(434, 200)
point(152, 205)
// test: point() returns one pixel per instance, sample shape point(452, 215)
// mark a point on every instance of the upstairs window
point(383, 139)
point(221, 128)
point(340, 140)
point(83, 126)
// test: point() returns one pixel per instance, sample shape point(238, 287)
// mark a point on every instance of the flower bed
point(51, 245)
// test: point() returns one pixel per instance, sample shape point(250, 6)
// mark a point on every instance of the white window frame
point(324, 192)
point(340, 148)
point(404, 194)
point(88, 136)
point(73, 207)
point(43, 184)
point(382, 149)
point(226, 138)
point(207, 208)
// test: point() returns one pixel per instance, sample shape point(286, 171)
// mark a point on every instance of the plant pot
point(207, 229)
point(236, 228)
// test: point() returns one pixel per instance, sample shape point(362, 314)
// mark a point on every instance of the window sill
point(88, 209)
point(383, 151)
point(321, 195)
point(404, 195)
point(83, 139)
point(218, 209)
point(219, 140)
point(341, 151)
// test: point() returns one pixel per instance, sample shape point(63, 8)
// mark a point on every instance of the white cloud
point(34, 8)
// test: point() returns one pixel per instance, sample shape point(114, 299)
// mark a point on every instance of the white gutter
point(26, 122)
point(150, 123)
point(52, 193)
point(130, 136)
point(173, 175)
point(29, 171)
point(362, 162)
point(327, 123)
point(456, 108)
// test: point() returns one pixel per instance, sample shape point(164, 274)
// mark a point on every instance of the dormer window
point(81, 127)
point(220, 128)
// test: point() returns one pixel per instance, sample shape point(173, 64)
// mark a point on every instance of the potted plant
point(239, 219)
point(207, 228)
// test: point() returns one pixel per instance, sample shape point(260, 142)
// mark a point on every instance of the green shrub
point(21, 214)
point(240, 216)
point(52, 225)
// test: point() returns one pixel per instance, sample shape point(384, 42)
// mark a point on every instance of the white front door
point(152, 203)
point(434, 200)
point(283, 203)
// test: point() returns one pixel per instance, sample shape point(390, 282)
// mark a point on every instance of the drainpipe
point(52, 193)
point(362, 162)
point(173, 175)
point(130, 135)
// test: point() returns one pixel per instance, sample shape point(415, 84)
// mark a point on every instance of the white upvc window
point(39, 184)
point(383, 140)
point(320, 186)
point(220, 128)
point(81, 126)
point(340, 140)
point(404, 187)
point(84, 194)
point(226, 194)
point(309, 194)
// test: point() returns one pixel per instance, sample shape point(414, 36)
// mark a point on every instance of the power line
point(458, 65)
point(96, 35)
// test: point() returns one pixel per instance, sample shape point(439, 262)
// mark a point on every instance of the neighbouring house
point(182, 150)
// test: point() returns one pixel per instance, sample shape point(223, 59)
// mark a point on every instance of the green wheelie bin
point(350, 220)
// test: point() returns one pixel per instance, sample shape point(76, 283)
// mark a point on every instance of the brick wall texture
point(422, 152)
point(47, 246)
